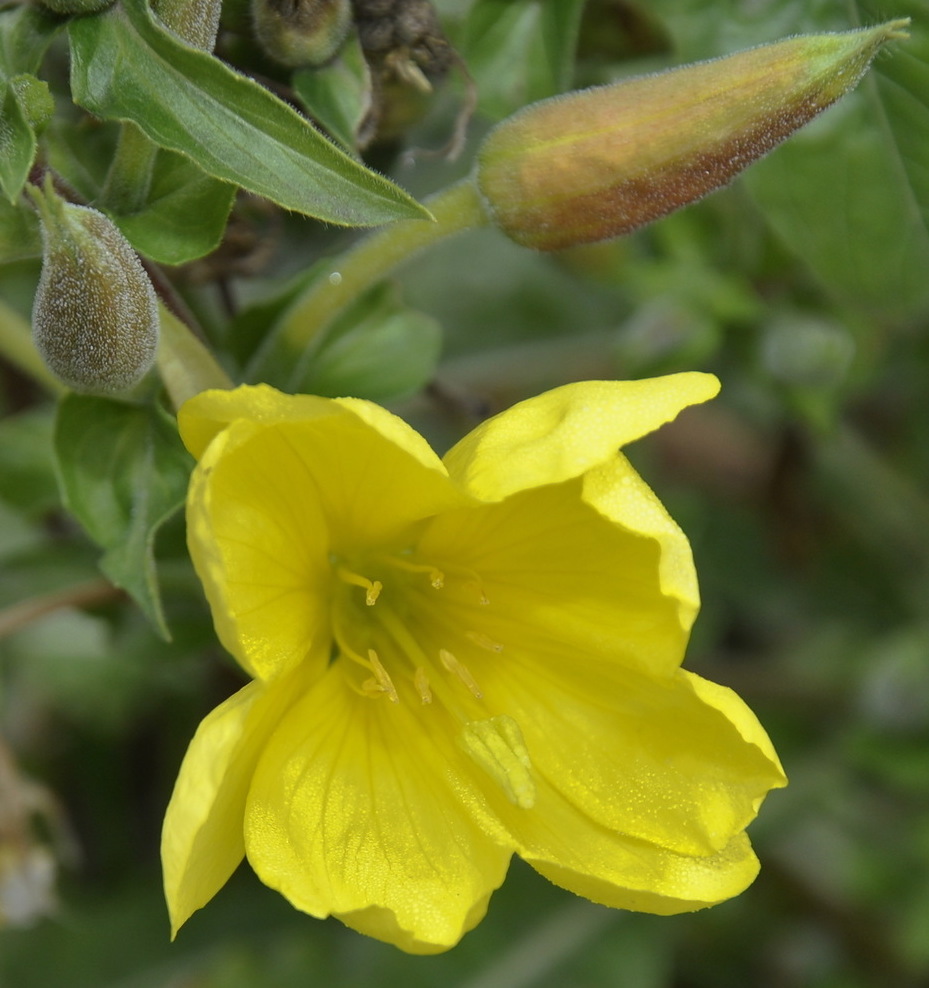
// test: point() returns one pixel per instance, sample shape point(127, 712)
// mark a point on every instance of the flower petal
point(564, 432)
point(561, 575)
point(259, 542)
point(562, 843)
point(202, 841)
point(267, 505)
point(358, 809)
point(204, 416)
point(678, 762)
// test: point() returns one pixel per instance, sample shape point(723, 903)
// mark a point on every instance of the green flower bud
point(601, 162)
point(300, 33)
point(95, 315)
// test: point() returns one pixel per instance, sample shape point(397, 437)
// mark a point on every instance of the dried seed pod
point(95, 315)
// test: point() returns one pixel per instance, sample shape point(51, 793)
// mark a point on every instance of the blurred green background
point(804, 489)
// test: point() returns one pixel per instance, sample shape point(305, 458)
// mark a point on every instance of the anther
point(372, 588)
point(461, 671)
point(483, 641)
point(383, 680)
point(421, 682)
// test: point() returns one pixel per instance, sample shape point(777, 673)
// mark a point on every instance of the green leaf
point(161, 229)
point(380, 350)
point(25, 33)
point(19, 232)
point(17, 143)
point(179, 190)
point(337, 94)
point(521, 51)
point(27, 480)
point(125, 66)
point(123, 472)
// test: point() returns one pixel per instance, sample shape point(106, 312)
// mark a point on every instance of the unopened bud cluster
point(601, 162)
point(95, 315)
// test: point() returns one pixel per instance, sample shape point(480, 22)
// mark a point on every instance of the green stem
point(130, 175)
point(346, 278)
point(16, 346)
point(186, 366)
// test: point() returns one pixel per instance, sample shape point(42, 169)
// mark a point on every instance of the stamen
point(483, 641)
point(372, 588)
point(461, 671)
point(384, 682)
point(421, 682)
point(436, 576)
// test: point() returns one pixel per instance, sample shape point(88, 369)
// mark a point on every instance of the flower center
point(411, 629)
point(408, 624)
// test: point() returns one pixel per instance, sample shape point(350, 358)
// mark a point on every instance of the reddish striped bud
point(601, 162)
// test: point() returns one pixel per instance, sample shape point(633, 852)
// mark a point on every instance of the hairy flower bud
point(95, 315)
point(600, 162)
point(300, 33)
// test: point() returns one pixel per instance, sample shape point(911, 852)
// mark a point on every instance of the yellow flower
point(454, 660)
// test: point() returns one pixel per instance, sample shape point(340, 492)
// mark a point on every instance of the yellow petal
point(571, 850)
point(619, 494)
point(564, 432)
point(676, 762)
point(269, 503)
point(208, 413)
point(560, 575)
point(654, 880)
point(202, 839)
point(358, 809)
point(259, 542)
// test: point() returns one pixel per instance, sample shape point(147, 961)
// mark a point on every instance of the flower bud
point(300, 33)
point(601, 162)
point(95, 315)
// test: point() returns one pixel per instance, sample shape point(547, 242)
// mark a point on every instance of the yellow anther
point(383, 680)
point(483, 641)
point(372, 588)
point(421, 682)
point(460, 670)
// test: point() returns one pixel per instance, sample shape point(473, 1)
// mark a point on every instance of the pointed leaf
point(126, 66)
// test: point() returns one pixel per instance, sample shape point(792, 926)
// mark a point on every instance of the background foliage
point(804, 286)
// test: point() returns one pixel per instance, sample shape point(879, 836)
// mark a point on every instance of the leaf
point(179, 190)
point(17, 143)
point(521, 51)
point(19, 232)
point(25, 32)
point(337, 94)
point(125, 66)
point(388, 352)
point(27, 480)
point(123, 473)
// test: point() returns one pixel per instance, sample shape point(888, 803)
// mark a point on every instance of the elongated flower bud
point(301, 32)
point(95, 315)
point(600, 162)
